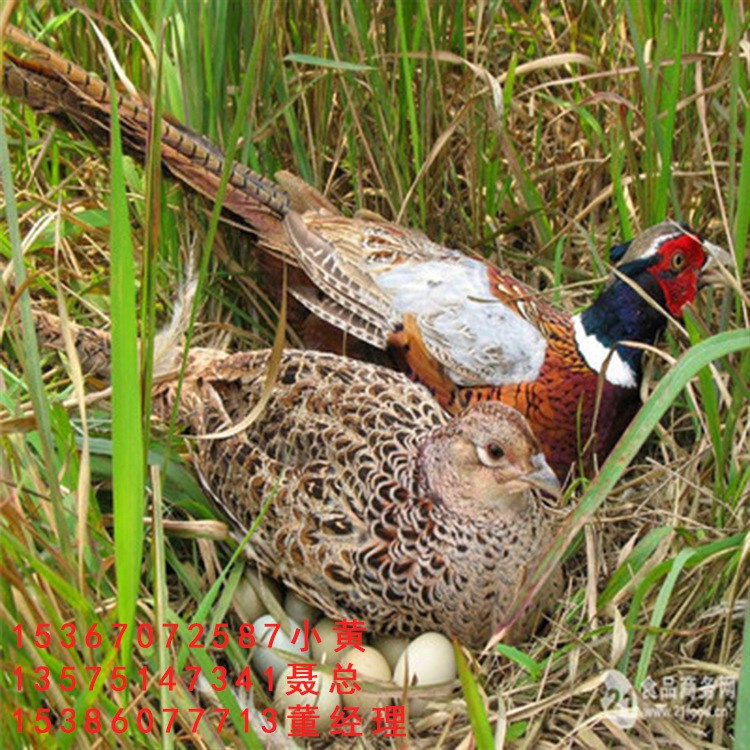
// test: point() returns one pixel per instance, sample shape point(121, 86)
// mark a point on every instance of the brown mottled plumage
point(380, 507)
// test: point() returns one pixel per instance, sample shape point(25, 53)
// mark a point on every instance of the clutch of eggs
point(390, 665)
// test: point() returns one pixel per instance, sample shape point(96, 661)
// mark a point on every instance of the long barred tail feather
point(80, 101)
point(94, 346)
point(330, 280)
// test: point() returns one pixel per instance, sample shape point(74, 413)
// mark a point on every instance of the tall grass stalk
point(128, 469)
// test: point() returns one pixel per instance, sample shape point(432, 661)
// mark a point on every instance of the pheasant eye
point(678, 261)
point(494, 451)
point(490, 454)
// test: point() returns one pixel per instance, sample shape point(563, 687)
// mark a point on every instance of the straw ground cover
point(536, 135)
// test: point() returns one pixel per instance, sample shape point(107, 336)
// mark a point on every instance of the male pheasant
point(458, 324)
point(381, 507)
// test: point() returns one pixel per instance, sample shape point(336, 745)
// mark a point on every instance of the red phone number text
point(68, 635)
point(388, 721)
point(145, 720)
point(68, 680)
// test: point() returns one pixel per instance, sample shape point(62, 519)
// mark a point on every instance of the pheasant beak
point(542, 477)
point(718, 261)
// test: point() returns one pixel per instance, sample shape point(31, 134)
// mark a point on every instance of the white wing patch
point(596, 356)
point(472, 333)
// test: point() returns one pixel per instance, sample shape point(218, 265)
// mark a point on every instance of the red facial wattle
point(677, 270)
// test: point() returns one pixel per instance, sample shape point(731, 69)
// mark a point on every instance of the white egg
point(249, 595)
point(391, 646)
point(323, 652)
point(264, 656)
point(431, 661)
point(247, 603)
point(370, 665)
point(300, 610)
point(326, 700)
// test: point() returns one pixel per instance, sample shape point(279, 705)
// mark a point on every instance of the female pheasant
point(379, 507)
point(457, 324)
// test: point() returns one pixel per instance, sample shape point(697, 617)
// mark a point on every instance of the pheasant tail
point(80, 101)
point(94, 347)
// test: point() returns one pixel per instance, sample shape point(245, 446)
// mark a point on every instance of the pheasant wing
point(375, 279)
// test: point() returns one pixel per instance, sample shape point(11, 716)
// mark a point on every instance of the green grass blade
point(28, 341)
point(742, 221)
point(407, 71)
point(161, 595)
point(56, 580)
point(248, 84)
point(742, 726)
point(153, 234)
point(128, 470)
point(323, 62)
point(529, 665)
point(635, 561)
point(660, 607)
point(480, 724)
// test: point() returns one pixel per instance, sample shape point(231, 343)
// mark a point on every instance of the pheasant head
point(671, 262)
point(659, 271)
point(485, 461)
